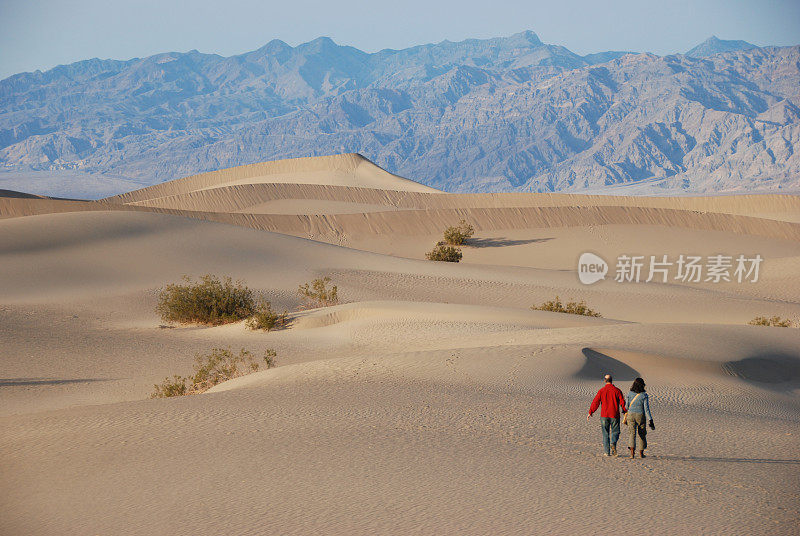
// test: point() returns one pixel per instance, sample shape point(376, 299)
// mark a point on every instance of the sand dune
point(19, 195)
point(339, 196)
point(240, 197)
point(431, 400)
point(426, 222)
point(342, 170)
point(16, 206)
point(91, 254)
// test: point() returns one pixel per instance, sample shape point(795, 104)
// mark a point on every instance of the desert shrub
point(573, 308)
point(773, 321)
point(266, 319)
point(170, 387)
point(210, 369)
point(457, 235)
point(269, 357)
point(317, 294)
point(208, 301)
point(443, 252)
point(220, 365)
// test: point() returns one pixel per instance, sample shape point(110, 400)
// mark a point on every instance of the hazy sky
point(40, 34)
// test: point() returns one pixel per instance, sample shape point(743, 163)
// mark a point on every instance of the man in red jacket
point(610, 399)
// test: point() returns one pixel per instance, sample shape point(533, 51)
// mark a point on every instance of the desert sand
point(431, 400)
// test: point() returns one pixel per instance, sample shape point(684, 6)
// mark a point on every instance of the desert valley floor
point(432, 400)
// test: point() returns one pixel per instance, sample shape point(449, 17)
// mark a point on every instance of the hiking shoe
point(641, 454)
point(613, 451)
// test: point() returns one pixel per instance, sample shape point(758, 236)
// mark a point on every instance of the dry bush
point(445, 253)
point(773, 321)
point(269, 357)
point(266, 319)
point(208, 301)
point(216, 367)
point(317, 294)
point(457, 235)
point(170, 387)
point(573, 308)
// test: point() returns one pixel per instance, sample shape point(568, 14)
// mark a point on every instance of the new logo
point(591, 268)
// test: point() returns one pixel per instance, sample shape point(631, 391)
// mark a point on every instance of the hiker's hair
point(608, 378)
point(638, 385)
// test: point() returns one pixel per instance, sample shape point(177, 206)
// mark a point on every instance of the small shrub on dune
point(458, 235)
point(220, 365)
point(573, 308)
point(269, 357)
point(318, 294)
point(773, 321)
point(266, 319)
point(170, 387)
point(208, 301)
point(216, 367)
point(443, 252)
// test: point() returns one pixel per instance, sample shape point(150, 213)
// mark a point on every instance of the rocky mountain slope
point(715, 45)
point(503, 114)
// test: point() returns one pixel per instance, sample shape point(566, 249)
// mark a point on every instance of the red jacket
point(610, 397)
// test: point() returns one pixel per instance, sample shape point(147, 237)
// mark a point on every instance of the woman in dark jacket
point(638, 405)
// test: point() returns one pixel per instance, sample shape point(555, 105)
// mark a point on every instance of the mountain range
point(501, 114)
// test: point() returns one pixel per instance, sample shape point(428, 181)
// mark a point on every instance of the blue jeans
point(609, 426)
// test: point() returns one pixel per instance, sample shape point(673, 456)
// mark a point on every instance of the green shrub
point(573, 308)
point(445, 253)
point(457, 235)
point(266, 319)
point(209, 301)
point(317, 294)
point(774, 321)
point(209, 370)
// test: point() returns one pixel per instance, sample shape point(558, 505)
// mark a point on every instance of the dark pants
point(637, 425)
point(610, 428)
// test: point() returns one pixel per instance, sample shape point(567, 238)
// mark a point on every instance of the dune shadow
point(500, 242)
point(726, 460)
point(599, 364)
point(28, 382)
point(18, 195)
point(771, 370)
